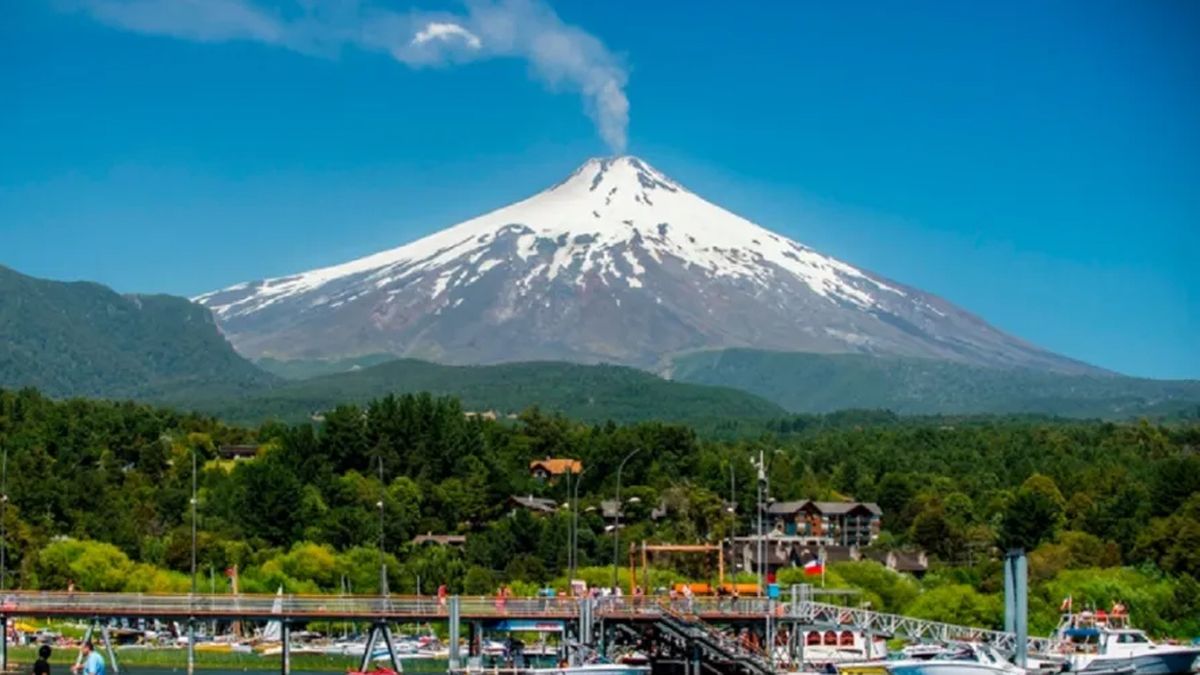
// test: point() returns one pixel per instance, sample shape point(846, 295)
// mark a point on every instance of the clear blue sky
point(1037, 163)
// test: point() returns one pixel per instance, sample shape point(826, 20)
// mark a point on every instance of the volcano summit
point(618, 263)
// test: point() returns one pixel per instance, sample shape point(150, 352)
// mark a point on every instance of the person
point(93, 663)
point(42, 665)
point(441, 597)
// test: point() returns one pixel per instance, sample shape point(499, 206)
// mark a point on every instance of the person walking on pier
point(93, 663)
point(42, 665)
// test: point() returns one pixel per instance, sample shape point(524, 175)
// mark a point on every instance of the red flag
point(813, 567)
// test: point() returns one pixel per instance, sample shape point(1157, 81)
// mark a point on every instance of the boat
point(1103, 643)
point(834, 647)
point(586, 669)
point(957, 659)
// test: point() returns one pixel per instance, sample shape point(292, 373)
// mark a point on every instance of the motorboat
point(1103, 643)
point(958, 659)
point(833, 647)
point(586, 669)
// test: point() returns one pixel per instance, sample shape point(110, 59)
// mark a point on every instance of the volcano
point(617, 263)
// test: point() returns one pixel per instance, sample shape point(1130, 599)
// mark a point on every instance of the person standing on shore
point(42, 665)
point(93, 663)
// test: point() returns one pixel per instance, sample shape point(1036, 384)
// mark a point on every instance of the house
point(535, 504)
point(915, 563)
point(456, 540)
point(489, 415)
point(237, 451)
point(827, 523)
point(790, 551)
point(550, 468)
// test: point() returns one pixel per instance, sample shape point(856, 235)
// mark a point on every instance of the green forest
point(99, 496)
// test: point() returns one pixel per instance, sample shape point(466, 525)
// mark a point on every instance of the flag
point(814, 567)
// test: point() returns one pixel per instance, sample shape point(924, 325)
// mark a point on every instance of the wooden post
point(721, 565)
point(645, 569)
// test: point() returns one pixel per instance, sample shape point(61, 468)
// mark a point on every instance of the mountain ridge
point(822, 383)
point(617, 263)
point(81, 338)
point(593, 393)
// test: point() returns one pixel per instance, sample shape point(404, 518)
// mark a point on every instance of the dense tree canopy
point(99, 494)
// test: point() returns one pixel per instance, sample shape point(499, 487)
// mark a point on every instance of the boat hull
point(947, 668)
point(1164, 662)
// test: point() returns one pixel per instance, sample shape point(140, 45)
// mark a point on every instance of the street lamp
point(4, 527)
point(617, 515)
point(573, 559)
point(383, 589)
point(193, 520)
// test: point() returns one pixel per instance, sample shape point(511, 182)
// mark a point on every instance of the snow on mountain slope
point(616, 263)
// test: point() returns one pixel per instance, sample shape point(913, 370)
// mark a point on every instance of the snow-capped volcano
point(617, 263)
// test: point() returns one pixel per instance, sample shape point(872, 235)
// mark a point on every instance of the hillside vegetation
point(1106, 510)
point(815, 383)
point(83, 339)
point(595, 393)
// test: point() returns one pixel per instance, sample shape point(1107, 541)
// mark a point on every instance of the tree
point(1033, 515)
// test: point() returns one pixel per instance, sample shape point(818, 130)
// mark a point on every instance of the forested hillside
point(1106, 509)
point(83, 339)
point(586, 392)
point(818, 383)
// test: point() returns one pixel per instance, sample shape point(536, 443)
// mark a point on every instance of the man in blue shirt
point(93, 663)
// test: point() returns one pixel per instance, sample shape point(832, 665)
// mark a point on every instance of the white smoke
point(560, 55)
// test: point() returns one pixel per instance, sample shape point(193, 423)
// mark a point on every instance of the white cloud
point(446, 31)
point(560, 55)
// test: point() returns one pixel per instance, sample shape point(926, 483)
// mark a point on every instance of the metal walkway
point(694, 619)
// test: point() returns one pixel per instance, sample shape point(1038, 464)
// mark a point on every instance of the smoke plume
point(559, 55)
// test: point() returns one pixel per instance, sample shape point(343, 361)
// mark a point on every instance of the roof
point(535, 503)
point(238, 450)
point(557, 466)
point(827, 508)
point(783, 508)
point(442, 539)
point(906, 561)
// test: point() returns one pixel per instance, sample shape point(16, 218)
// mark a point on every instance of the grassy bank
point(171, 659)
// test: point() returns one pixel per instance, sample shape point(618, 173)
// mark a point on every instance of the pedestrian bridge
point(796, 611)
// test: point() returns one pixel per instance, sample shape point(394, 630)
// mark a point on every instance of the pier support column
point(1016, 602)
point(4, 645)
point(455, 612)
point(285, 636)
point(391, 647)
point(191, 654)
point(108, 647)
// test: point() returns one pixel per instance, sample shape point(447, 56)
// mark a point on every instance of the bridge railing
point(18, 603)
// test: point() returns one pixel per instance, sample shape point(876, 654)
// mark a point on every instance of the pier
point(692, 627)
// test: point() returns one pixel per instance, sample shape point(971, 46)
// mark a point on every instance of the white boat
point(587, 669)
point(1101, 643)
point(833, 647)
point(960, 659)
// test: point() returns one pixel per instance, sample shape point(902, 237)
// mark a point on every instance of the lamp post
point(573, 563)
point(383, 589)
point(191, 657)
point(193, 520)
point(4, 528)
point(617, 515)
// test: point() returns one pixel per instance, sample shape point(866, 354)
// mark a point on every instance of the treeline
point(116, 479)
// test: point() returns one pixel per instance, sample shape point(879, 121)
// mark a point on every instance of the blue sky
point(1037, 163)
